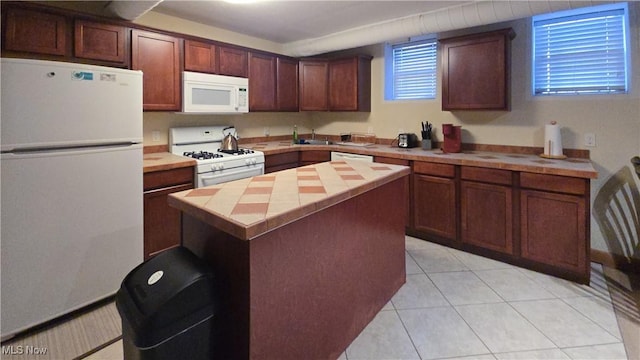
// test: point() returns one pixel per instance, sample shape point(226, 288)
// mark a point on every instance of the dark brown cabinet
point(37, 32)
point(162, 225)
point(273, 81)
point(277, 162)
point(554, 213)
point(314, 86)
point(158, 56)
point(310, 157)
point(262, 82)
point(233, 61)
point(98, 41)
point(200, 57)
point(286, 84)
point(486, 207)
point(434, 201)
point(350, 84)
point(336, 85)
point(475, 71)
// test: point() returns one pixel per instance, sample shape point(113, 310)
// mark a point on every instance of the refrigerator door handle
point(44, 149)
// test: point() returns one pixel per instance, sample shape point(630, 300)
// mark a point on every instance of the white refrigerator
point(71, 179)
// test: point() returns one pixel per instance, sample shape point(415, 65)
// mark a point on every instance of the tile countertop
point(250, 207)
point(573, 167)
point(164, 161)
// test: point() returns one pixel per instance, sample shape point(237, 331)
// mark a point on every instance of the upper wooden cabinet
point(350, 84)
point(475, 71)
point(314, 85)
point(286, 84)
point(233, 61)
point(273, 82)
point(158, 56)
point(336, 85)
point(100, 41)
point(262, 82)
point(200, 56)
point(36, 32)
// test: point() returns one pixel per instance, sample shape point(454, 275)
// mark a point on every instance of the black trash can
point(168, 307)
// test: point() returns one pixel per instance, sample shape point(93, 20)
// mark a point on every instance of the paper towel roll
point(552, 140)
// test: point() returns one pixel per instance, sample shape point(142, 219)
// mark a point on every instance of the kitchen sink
point(315, 142)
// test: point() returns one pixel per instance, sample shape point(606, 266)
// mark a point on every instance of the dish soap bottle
point(295, 134)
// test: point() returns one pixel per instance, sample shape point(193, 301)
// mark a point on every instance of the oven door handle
point(234, 173)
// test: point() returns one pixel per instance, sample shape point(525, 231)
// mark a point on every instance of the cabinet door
point(343, 85)
point(277, 162)
point(35, 32)
point(475, 71)
point(233, 62)
point(199, 56)
point(162, 224)
point(434, 205)
point(158, 56)
point(287, 84)
point(554, 230)
point(486, 216)
point(100, 41)
point(262, 82)
point(314, 156)
point(314, 85)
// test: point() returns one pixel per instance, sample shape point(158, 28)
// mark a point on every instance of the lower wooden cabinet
point(434, 206)
point(162, 225)
point(486, 216)
point(314, 156)
point(555, 231)
point(277, 162)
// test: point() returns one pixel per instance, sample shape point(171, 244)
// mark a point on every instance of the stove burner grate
point(237, 152)
point(201, 155)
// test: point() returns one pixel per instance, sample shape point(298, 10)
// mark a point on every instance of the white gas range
point(214, 166)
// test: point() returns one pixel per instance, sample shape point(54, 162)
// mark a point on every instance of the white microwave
point(214, 94)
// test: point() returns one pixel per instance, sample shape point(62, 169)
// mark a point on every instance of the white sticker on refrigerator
point(81, 75)
point(107, 77)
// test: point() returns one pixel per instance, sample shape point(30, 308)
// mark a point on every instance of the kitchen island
point(305, 257)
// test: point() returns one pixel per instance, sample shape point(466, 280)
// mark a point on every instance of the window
point(410, 70)
point(581, 51)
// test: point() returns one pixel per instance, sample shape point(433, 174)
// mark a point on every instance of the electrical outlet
point(155, 135)
point(370, 130)
point(400, 130)
point(266, 131)
point(590, 140)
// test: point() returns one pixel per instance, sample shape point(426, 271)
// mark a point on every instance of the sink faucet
point(313, 134)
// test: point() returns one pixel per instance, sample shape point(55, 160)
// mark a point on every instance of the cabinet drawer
point(315, 156)
point(563, 184)
point(158, 179)
point(494, 176)
point(388, 160)
point(280, 159)
point(444, 170)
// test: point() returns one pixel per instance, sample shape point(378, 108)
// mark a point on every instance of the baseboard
point(616, 261)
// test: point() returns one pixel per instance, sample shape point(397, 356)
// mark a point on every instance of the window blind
point(581, 53)
point(414, 70)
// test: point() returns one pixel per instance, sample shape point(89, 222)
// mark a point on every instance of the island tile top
point(250, 207)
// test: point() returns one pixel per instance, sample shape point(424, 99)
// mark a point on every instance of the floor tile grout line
point(415, 348)
point(595, 322)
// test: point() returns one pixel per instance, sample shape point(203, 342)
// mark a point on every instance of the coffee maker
point(452, 138)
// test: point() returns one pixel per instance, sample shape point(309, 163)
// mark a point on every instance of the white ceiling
point(287, 21)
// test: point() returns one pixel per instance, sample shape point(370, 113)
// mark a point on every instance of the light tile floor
point(456, 305)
